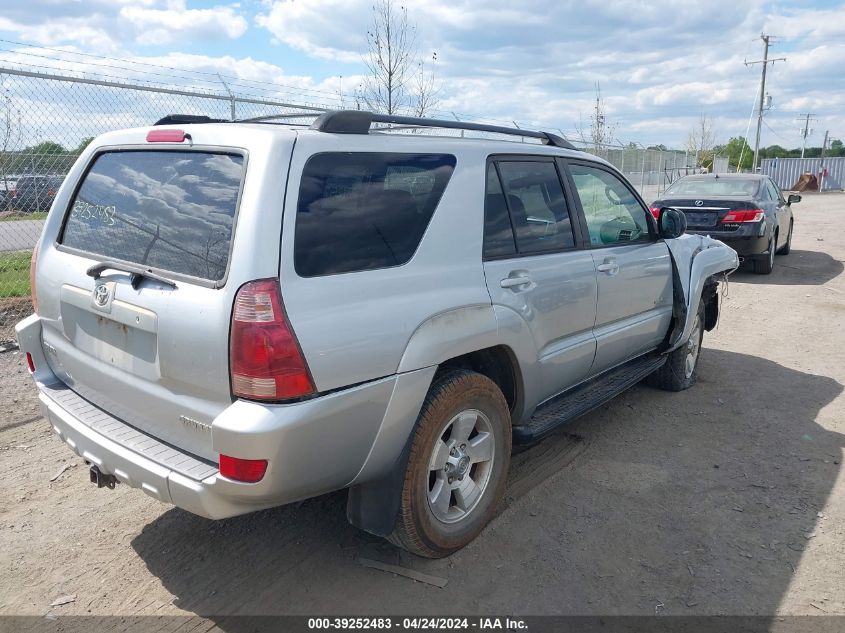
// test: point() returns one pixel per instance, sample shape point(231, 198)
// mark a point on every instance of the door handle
point(513, 282)
point(609, 266)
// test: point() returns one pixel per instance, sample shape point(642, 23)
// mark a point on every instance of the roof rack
point(359, 122)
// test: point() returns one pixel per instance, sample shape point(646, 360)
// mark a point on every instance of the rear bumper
point(744, 245)
point(312, 447)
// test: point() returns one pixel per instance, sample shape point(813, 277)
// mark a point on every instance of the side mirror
point(793, 197)
point(671, 223)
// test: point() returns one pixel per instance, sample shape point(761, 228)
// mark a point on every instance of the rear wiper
point(136, 273)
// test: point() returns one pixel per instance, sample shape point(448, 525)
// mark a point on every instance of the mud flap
point(373, 506)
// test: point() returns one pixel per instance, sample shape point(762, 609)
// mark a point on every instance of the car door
point(633, 267)
point(534, 268)
point(783, 212)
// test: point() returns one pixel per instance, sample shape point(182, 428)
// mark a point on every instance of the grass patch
point(15, 217)
point(14, 274)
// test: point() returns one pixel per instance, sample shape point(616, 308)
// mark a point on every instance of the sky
point(660, 64)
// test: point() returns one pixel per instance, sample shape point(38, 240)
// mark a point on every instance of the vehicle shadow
point(799, 268)
point(701, 500)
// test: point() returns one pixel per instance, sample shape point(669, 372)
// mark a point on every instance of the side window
point(498, 234)
point(774, 191)
point(365, 210)
point(537, 206)
point(613, 214)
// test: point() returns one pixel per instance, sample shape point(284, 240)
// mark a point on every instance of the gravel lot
point(728, 498)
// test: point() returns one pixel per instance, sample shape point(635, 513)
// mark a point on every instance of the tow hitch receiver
point(102, 479)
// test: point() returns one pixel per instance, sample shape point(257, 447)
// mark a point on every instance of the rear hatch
point(152, 348)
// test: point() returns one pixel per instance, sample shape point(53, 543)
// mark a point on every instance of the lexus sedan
point(745, 211)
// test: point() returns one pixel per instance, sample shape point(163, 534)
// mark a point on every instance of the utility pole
point(821, 162)
point(806, 131)
point(765, 61)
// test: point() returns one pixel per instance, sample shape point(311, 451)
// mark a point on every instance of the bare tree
point(601, 131)
point(10, 133)
point(701, 140)
point(391, 53)
point(426, 90)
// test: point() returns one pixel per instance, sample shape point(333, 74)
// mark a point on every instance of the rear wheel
point(458, 465)
point(679, 371)
point(765, 264)
point(788, 246)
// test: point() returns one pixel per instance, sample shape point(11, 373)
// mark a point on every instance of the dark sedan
point(746, 211)
point(34, 193)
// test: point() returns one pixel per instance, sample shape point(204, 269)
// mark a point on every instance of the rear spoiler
point(183, 119)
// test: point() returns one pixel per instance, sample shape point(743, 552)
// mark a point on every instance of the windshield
point(701, 188)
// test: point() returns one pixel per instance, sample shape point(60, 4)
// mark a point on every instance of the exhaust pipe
point(102, 479)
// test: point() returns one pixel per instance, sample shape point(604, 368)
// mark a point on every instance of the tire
point(679, 371)
point(439, 514)
point(765, 264)
point(788, 246)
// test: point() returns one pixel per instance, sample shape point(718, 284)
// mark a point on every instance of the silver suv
point(234, 316)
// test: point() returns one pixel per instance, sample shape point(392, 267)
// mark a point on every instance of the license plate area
point(700, 218)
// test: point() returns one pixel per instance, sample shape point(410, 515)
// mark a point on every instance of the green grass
point(14, 274)
point(40, 215)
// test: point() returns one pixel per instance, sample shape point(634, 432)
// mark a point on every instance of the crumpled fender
point(695, 258)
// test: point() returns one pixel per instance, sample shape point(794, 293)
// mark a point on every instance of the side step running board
point(584, 398)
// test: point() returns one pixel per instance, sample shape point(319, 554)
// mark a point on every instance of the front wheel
point(458, 465)
point(679, 371)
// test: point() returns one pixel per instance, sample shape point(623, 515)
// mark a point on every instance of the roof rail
point(359, 122)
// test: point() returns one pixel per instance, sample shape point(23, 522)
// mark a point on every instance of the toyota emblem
point(698, 203)
point(101, 295)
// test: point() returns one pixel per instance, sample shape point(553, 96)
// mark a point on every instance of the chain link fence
point(46, 120)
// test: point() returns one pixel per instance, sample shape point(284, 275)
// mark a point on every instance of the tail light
point(166, 136)
point(30, 363)
point(32, 265)
point(265, 359)
point(246, 470)
point(51, 193)
point(13, 193)
point(655, 211)
point(743, 215)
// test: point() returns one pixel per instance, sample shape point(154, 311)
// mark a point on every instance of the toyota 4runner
point(237, 315)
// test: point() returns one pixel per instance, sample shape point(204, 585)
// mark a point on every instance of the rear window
point(171, 210)
point(363, 211)
point(714, 187)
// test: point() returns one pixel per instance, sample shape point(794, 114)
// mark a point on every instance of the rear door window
point(169, 210)
point(365, 210)
point(537, 206)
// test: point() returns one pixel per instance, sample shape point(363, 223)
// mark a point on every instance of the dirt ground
point(728, 498)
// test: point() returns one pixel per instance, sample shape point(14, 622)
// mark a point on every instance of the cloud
point(109, 26)
point(164, 26)
point(660, 64)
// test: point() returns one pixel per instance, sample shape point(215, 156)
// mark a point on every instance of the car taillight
point(246, 470)
point(743, 215)
point(32, 265)
point(166, 136)
point(30, 363)
point(265, 359)
point(51, 193)
point(13, 193)
point(655, 211)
